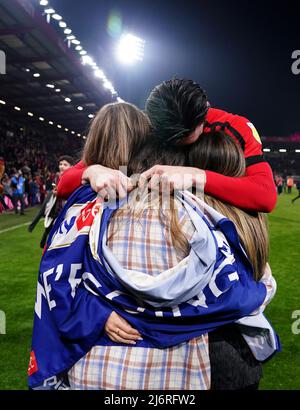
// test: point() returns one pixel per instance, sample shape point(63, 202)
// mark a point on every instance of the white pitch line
point(14, 227)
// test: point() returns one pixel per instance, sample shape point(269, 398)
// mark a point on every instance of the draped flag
point(80, 283)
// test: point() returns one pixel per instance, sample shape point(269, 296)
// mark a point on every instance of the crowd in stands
point(29, 164)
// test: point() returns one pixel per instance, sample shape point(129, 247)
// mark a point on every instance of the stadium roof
point(44, 75)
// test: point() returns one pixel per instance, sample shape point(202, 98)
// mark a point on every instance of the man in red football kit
point(179, 112)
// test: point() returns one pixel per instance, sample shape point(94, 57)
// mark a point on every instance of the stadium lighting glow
point(71, 37)
point(78, 135)
point(27, 70)
point(91, 115)
point(50, 85)
point(72, 132)
point(2, 102)
point(130, 49)
point(78, 48)
point(66, 129)
point(49, 11)
point(87, 59)
point(41, 119)
point(79, 108)
point(282, 150)
point(62, 24)
point(30, 114)
point(67, 31)
point(17, 108)
point(266, 150)
point(57, 90)
point(108, 85)
point(59, 126)
point(67, 99)
point(99, 73)
point(44, 2)
point(119, 99)
point(75, 41)
point(36, 75)
point(82, 52)
point(297, 150)
point(56, 16)
point(84, 137)
point(50, 122)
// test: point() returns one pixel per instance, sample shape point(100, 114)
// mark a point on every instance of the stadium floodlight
point(86, 59)
point(56, 16)
point(36, 75)
point(72, 132)
point(75, 41)
point(2, 102)
point(119, 99)
point(83, 52)
point(57, 90)
point(50, 122)
point(67, 99)
point(59, 126)
point(30, 114)
point(297, 150)
point(71, 37)
point(78, 135)
point(27, 70)
point(44, 2)
point(66, 129)
point(41, 118)
point(266, 150)
point(50, 85)
point(67, 31)
point(79, 108)
point(17, 108)
point(91, 115)
point(62, 24)
point(49, 11)
point(78, 48)
point(282, 150)
point(130, 49)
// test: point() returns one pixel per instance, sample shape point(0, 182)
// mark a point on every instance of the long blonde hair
point(220, 153)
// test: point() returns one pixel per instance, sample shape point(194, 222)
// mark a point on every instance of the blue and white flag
point(81, 282)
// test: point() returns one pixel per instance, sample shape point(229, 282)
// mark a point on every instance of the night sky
point(239, 52)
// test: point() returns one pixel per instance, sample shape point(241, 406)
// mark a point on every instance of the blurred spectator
point(290, 184)
point(18, 189)
point(51, 205)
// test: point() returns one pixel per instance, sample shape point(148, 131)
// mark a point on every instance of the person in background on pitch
point(298, 189)
point(52, 205)
point(179, 113)
point(18, 188)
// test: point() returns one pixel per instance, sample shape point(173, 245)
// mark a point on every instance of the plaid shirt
point(145, 244)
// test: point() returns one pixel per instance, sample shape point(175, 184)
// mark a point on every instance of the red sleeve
point(70, 180)
point(255, 191)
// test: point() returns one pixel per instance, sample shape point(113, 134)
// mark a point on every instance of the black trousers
point(233, 366)
point(16, 199)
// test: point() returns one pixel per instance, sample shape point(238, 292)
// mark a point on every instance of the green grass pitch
point(19, 260)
